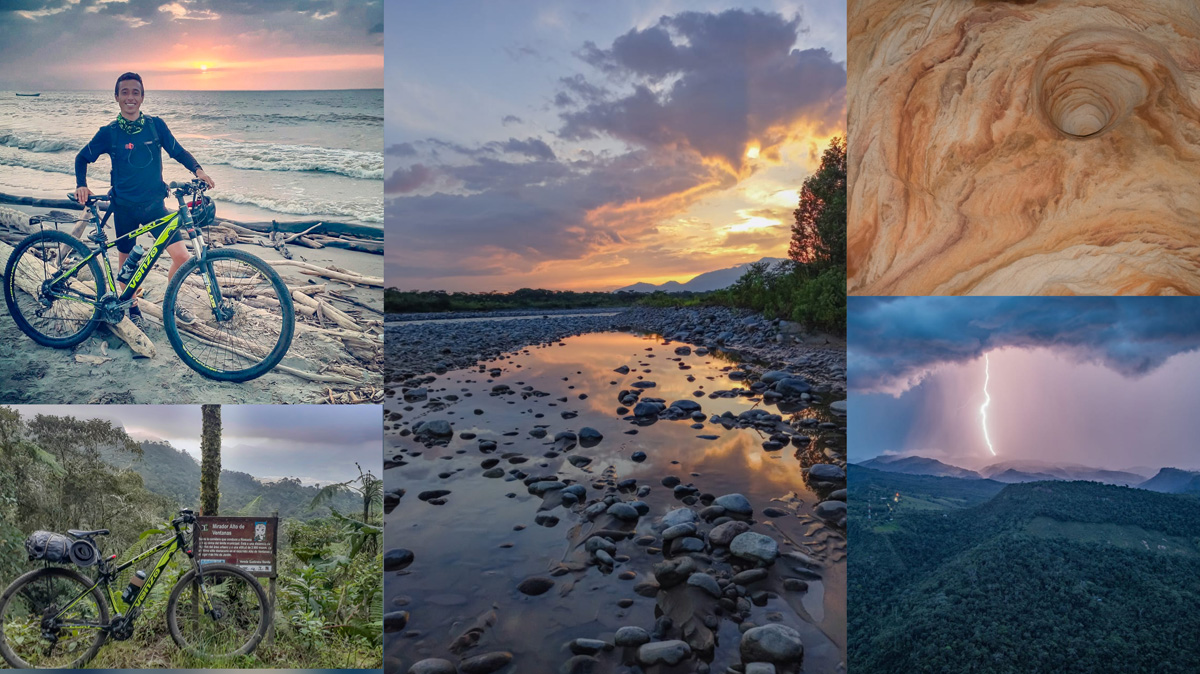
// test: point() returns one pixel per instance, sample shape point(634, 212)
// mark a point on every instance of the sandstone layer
point(1028, 147)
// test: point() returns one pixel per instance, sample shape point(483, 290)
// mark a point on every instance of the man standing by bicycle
point(134, 141)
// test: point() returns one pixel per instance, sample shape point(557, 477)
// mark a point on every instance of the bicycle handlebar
point(95, 198)
point(193, 185)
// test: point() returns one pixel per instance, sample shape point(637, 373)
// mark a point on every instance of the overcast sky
point(1104, 382)
point(585, 146)
point(316, 443)
point(191, 44)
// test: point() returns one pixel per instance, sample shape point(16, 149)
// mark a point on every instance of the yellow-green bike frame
point(109, 574)
point(173, 221)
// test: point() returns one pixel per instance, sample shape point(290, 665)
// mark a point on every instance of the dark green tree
point(819, 235)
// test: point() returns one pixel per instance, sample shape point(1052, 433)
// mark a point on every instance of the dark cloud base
point(894, 342)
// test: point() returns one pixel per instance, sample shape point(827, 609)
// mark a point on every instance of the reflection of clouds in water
point(734, 453)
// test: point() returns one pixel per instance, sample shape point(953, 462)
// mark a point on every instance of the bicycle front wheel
point(242, 336)
point(36, 632)
point(222, 613)
point(59, 315)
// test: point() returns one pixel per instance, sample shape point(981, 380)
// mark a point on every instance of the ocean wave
point(277, 157)
point(37, 142)
point(364, 212)
point(238, 154)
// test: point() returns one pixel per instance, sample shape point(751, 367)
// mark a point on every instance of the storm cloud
point(895, 343)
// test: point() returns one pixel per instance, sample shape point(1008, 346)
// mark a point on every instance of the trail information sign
point(248, 542)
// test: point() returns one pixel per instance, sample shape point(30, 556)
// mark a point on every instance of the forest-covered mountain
point(1043, 576)
point(175, 474)
point(918, 465)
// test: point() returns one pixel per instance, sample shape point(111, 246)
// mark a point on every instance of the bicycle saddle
point(79, 533)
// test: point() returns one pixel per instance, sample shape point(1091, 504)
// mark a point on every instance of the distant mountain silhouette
point(1173, 481)
point(918, 465)
point(712, 280)
point(1032, 471)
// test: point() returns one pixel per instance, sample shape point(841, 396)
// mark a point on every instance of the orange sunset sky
point(192, 44)
point(546, 144)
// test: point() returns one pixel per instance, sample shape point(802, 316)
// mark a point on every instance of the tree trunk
point(210, 460)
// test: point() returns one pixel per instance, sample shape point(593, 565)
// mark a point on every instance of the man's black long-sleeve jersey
point(136, 159)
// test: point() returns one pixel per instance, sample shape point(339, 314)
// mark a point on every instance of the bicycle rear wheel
point(244, 336)
point(66, 314)
point(238, 620)
point(30, 636)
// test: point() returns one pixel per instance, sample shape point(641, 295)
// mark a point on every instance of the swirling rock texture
point(1029, 147)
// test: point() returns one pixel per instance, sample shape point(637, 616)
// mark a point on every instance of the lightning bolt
point(987, 376)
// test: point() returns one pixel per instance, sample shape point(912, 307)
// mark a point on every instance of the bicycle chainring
point(110, 311)
point(121, 627)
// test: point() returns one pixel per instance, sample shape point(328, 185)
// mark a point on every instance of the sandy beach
point(104, 369)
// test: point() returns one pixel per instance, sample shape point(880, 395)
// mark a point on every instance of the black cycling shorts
point(127, 217)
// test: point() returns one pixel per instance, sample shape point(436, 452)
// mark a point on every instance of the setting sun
point(752, 151)
point(203, 68)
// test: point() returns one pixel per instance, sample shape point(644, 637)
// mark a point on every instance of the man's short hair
point(127, 76)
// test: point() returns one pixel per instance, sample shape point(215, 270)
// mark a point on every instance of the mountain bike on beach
point(57, 617)
point(59, 290)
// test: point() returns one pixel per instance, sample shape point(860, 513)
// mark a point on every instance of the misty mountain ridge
point(1020, 471)
point(175, 474)
point(918, 465)
point(706, 282)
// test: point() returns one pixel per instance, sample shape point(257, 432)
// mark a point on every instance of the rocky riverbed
point(603, 500)
point(418, 347)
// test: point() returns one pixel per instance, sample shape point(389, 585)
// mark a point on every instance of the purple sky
point(1104, 382)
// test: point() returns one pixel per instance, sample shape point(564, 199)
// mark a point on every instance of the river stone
point(750, 576)
point(437, 428)
point(395, 621)
point(838, 406)
point(588, 646)
point(631, 636)
point(830, 510)
point(792, 386)
point(598, 543)
point(623, 512)
point(686, 544)
point(638, 457)
point(674, 571)
point(755, 547)
point(535, 586)
point(397, 559)
point(647, 408)
point(587, 434)
point(494, 472)
point(705, 582)
point(772, 376)
point(486, 663)
point(433, 666)
point(772, 643)
point(579, 664)
point(671, 652)
point(760, 668)
point(679, 516)
point(686, 405)
point(723, 534)
point(735, 503)
point(686, 529)
point(579, 461)
point(540, 488)
point(827, 472)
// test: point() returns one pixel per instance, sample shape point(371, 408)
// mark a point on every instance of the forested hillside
point(1046, 576)
point(173, 473)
